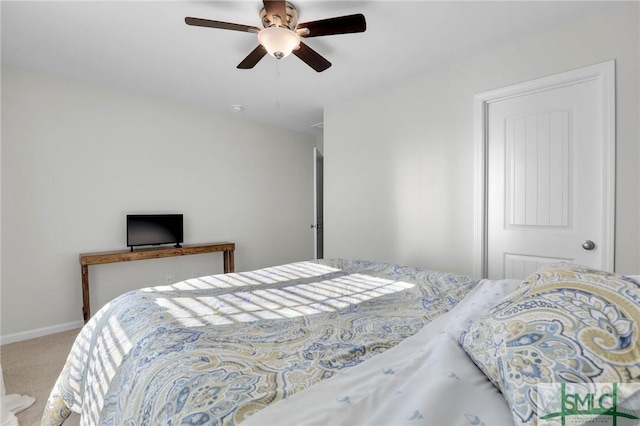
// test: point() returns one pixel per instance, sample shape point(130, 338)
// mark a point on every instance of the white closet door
point(548, 171)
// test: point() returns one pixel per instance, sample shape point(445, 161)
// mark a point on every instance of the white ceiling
point(145, 47)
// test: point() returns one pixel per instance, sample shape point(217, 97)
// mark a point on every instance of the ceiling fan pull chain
point(278, 84)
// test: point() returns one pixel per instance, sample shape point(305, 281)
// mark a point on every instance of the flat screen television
point(154, 229)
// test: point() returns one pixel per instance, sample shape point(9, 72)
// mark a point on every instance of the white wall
point(76, 159)
point(399, 160)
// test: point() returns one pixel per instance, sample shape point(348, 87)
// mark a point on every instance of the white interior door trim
point(604, 73)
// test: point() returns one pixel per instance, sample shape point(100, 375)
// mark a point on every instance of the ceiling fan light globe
point(278, 41)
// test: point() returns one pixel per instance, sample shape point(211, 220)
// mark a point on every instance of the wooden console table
point(87, 259)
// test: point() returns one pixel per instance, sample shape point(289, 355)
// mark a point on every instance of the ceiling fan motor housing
point(290, 21)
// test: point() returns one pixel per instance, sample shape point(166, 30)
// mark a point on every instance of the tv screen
point(154, 229)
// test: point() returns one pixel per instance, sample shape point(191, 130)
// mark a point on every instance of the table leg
point(86, 309)
point(228, 265)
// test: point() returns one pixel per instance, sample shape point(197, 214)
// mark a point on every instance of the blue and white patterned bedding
point(426, 380)
point(217, 349)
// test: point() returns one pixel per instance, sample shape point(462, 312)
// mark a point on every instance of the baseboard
point(39, 332)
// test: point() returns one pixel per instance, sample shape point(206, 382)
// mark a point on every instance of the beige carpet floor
point(31, 368)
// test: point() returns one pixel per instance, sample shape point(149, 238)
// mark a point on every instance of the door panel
point(318, 208)
point(518, 266)
point(537, 170)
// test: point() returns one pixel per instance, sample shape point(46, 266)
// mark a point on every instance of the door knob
point(588, 245)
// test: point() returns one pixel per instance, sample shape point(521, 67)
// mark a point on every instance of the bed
point(341, 342)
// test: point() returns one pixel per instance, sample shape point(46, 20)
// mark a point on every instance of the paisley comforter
point(217, 349)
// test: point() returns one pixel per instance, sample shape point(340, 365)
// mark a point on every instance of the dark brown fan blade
point(253, 58)
point(276, 8)
point(340, 25)
point(198, 22)
point(311, 58)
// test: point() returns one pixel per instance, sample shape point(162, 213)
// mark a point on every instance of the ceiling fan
point(282, 33)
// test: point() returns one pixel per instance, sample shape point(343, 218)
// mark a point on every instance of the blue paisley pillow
point(565, 323)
